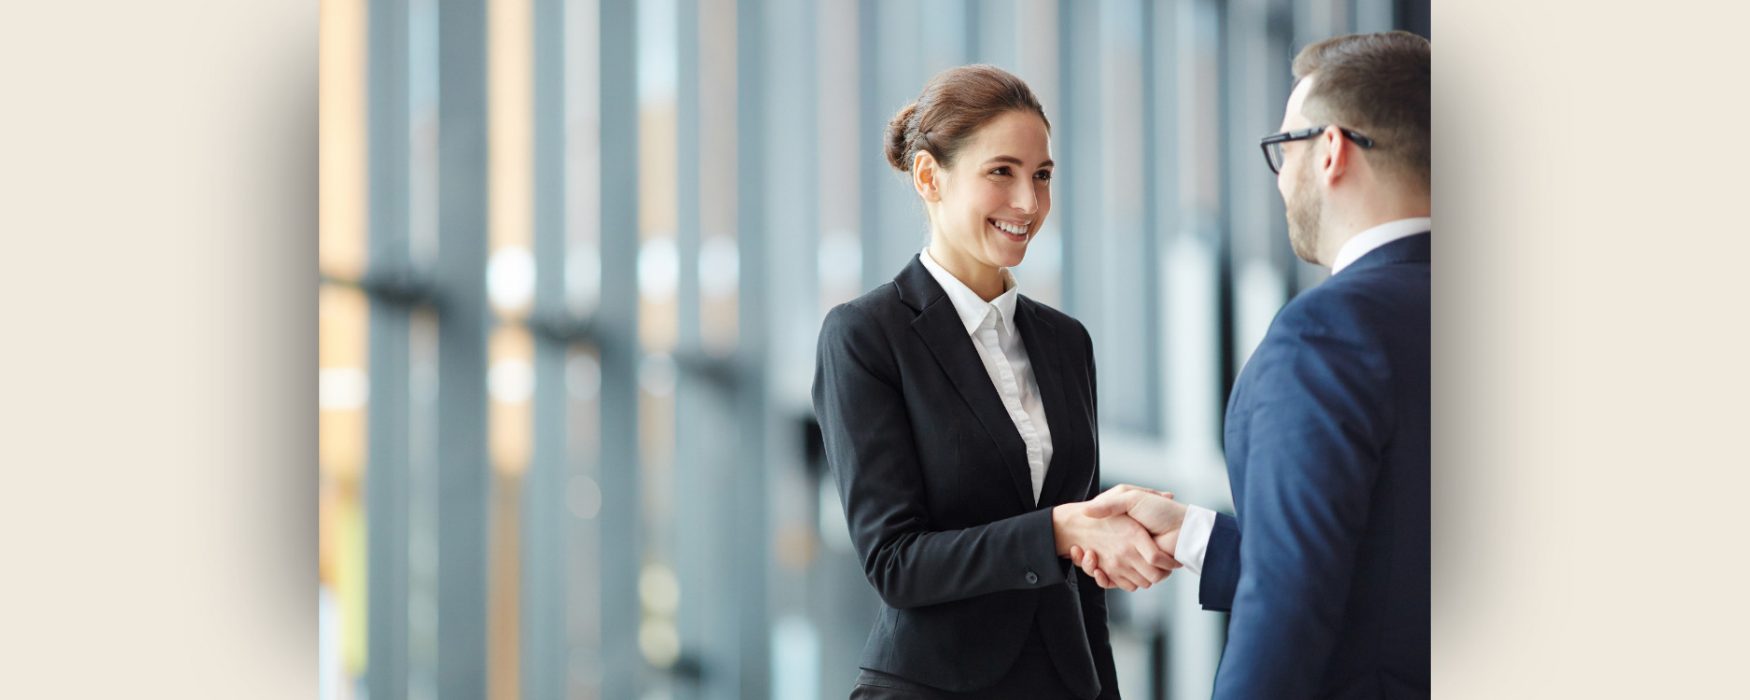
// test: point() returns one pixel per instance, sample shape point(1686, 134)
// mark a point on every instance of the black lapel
point(938, 324)
point(1044, 353)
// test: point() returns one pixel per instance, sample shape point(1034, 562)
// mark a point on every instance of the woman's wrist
point(1063, 527)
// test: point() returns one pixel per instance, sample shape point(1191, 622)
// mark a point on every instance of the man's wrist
point(1192, 538)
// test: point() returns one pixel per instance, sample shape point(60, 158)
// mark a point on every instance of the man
point(1327, 433)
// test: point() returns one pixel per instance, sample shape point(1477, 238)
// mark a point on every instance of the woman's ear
point(926, 176)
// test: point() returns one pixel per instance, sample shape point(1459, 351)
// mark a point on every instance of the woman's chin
point(1006, 252)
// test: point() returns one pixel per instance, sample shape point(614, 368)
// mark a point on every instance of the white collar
point(1365, 242)
point(968, 304)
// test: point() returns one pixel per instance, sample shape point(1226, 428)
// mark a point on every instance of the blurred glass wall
point(574, 254)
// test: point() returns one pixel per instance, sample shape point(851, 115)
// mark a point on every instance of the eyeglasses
point(1272, 144)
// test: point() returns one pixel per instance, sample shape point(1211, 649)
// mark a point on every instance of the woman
point(959, 420)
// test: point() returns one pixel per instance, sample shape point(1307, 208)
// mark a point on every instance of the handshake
point(1125, 538)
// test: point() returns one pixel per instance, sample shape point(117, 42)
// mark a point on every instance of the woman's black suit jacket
point(934, 480)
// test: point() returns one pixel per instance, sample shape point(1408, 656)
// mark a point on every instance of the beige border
point(158, 187)
point(1590, 349)
point(157, 205)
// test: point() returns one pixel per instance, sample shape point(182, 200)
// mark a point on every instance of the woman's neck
point(984, 280)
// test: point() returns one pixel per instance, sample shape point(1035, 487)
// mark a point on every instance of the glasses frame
point(1265, 143)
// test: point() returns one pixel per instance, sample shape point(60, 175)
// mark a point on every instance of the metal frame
point(388, 491)
point(616, 322)
point(464, 478)
point(544, 643)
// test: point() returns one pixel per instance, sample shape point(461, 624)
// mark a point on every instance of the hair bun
point(899, 140)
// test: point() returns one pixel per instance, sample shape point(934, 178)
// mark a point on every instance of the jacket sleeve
point(873, 456)
point(1093, 597)
point(1221, 565)
point(1316, 413)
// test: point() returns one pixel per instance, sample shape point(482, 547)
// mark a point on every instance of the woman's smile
point(1016, 231)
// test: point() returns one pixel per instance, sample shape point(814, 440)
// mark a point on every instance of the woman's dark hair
point(952, 106)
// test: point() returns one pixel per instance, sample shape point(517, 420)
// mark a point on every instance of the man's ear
point(926, 176)
point(1338, 150)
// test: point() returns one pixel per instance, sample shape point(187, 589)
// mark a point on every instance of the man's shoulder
point(1360, 299)
point(1351, 316)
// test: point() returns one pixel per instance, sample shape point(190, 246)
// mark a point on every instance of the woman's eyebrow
point(1016, 161)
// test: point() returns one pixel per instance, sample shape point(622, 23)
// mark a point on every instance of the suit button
point(1032, 577)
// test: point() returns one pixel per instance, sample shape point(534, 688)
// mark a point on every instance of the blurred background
point(574, 255)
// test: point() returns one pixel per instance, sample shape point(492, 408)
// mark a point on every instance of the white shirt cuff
point(1194, 537)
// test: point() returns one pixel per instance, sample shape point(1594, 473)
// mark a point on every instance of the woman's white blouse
point(991, 326)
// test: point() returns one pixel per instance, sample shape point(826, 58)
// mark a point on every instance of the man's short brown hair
point(1376, 84)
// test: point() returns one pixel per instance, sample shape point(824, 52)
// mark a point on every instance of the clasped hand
point(1124, 538)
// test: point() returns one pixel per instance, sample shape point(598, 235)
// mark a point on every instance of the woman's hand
point(1126, 551)
point(1154, 510)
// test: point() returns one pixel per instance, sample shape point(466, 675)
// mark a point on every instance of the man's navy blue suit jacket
point(1327, 443)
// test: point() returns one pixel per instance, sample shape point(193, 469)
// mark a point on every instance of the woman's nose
point(1024, 201)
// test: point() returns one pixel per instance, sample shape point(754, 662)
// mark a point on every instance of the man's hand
point(1154, 510)
point(1132, 559)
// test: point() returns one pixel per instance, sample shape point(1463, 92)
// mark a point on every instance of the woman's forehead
point(1018, 135)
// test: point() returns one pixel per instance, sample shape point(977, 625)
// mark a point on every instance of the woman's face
point(995, 197)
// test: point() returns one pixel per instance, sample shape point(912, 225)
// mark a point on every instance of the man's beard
point(1303, 218)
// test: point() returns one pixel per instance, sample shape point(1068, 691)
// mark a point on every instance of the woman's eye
point(1042, 176)
point(1003, 171)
